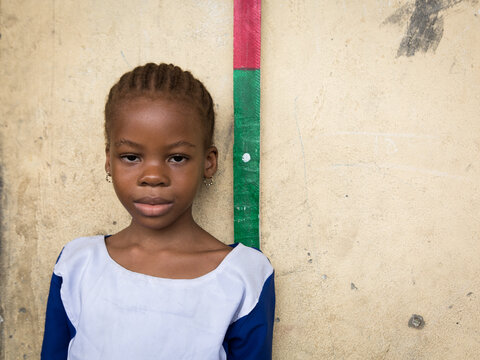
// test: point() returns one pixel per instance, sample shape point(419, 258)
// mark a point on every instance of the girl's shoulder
point(248, 274)
point(85, 242)
point(247, 259)
point(79, 251)
point(246, 265)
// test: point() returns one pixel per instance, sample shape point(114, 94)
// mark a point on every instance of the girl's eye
point(130, 158)
point(178, 159)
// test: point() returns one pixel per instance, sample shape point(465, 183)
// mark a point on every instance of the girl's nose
point(154, 175)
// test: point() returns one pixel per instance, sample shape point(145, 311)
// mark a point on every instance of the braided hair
point(161, 81)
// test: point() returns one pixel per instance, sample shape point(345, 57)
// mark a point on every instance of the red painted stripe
point(246, 34)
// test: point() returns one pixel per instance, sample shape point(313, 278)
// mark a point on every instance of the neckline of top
point(236, 248)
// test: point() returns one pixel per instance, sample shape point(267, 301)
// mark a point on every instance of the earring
point(208, 182)
point(108, 177)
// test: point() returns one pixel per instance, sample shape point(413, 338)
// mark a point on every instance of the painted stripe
point(246, 148)
point(246, 34)
point(246, 156)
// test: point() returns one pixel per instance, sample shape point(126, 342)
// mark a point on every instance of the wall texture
point(370, 168)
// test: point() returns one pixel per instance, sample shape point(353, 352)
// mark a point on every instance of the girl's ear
point(107, 160)
point(211, 157)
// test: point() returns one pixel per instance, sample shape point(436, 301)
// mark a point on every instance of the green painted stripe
point(246, 156)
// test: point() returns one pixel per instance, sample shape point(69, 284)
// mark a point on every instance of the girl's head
point(161, 82)
point(159, 124)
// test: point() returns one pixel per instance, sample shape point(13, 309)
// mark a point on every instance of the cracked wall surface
point(370, 166)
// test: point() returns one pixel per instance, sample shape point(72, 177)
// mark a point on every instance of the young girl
point(162, 288)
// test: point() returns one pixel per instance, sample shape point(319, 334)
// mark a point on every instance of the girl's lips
point(152, 200)
point(152, 209)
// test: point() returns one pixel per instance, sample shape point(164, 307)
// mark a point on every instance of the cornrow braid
point(162, 80)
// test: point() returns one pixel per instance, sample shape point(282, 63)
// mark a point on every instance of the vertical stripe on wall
point(246, 94)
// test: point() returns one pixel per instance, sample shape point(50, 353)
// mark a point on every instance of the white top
point(120, 314)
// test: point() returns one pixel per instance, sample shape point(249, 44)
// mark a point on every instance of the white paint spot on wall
point(392, 146)
point(246, 157)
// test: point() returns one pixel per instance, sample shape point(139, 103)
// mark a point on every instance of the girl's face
point(157, 159)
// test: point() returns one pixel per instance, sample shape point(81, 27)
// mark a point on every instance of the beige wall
point(370, 160)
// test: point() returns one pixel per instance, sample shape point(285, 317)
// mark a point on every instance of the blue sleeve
point(250, 337)
point(58, 328)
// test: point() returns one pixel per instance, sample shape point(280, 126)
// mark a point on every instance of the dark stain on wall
point(416, 322)
point(425, 28)
point(425, 24)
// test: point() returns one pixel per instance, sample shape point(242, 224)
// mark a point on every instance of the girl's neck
point(183, 234)
point(182, 250)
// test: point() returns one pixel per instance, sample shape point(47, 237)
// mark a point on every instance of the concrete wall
point(370, 159)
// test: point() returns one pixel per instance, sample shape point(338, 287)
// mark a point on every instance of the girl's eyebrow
point(127, 142)
point(181, 143)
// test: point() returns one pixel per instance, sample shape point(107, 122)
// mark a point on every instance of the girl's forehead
point(161, 104)
point(157, 117)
